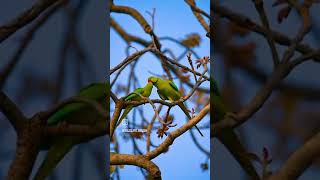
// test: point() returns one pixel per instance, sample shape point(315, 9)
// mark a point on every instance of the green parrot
point(228, 137)
point(74, 113)
point(134, 96)
point(167, 90)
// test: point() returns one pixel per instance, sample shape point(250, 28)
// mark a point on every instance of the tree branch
point(24, 18)
point(264, 19)
point(258, 100)
point(136, 160)
point(300, 160)
point(247, 23)
point(7, 70)
point(172, 136)
point(12, 112)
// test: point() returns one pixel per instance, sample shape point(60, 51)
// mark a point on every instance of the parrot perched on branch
point(74, 113)
point(134, 96)
point(167, 90)
point(228, 137)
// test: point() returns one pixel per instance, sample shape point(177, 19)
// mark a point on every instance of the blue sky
point(174, 19)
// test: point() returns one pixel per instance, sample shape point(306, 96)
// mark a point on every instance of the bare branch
point(7, 70)
point(25, 18)
point(264, 19)
point(136, 160)
point(300, 160)
point(129, 59)
point(12, 112)
point(148, 141)
point(172, 136)
point(246, 22)
point(196, 13)
point(257, 101)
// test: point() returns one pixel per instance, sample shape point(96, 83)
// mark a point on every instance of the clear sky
point(174, 19)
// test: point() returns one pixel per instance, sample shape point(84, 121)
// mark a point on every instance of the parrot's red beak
point(149, 81)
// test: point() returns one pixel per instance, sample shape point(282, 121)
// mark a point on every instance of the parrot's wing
point(134, 94)
point(162, 96)
point(63, 112)
point(130, 96)
point(139, 90)
point(173, 85)
point(94, 91)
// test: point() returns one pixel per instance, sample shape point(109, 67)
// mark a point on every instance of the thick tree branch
point(146, 27)
point(300, 160)
point(258, 100)
point(136, 160)
point(176, 133)
point(28, 142)
point(197, 13)
point(115, 116)
point(12, 112)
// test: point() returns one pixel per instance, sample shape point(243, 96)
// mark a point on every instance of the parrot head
point(152, 79)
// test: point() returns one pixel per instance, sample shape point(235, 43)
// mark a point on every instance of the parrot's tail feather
point(53, 157)
point(186, 112)
point(230, 140)
point(124, 115)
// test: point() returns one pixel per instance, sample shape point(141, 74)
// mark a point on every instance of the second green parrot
point(228, 137)
point(167, 90)
point(74, 113)
point(134, 96)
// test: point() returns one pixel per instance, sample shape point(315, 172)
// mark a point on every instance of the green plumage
point(74, 113)
point(134, 96)
point(167, 90)
point(228, 137)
